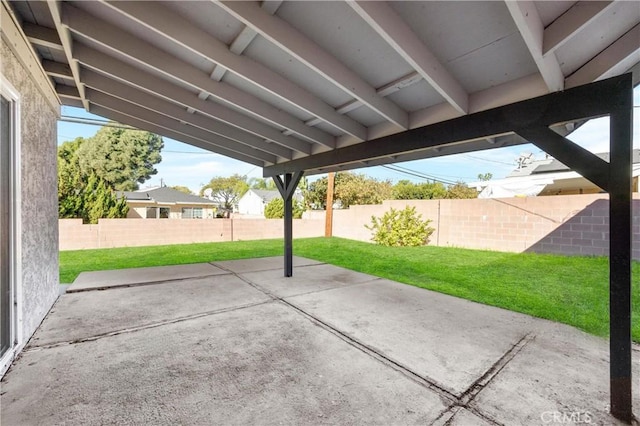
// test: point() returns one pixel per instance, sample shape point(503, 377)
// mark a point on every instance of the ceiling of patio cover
point(269, 82)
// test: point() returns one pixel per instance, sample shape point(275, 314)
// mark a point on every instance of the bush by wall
point(400, 228)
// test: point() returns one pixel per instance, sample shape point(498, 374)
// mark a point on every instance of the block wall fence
point(569, 224)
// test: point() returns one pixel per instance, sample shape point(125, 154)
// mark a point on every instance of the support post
point(621, 122)
point(328, 218)
point(287, 189)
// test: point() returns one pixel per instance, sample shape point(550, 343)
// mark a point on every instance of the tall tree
point(226, 190)
point(406, 190)
point(100, 201)
point(89, 170)
point(461, 190)
point(350, 188)
point(123, 158)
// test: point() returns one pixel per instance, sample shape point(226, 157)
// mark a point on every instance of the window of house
point(158, 212)
point(164, 212)
point(152, 213)
point(192, 212)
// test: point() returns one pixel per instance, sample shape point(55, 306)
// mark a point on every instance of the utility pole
point(328, 224)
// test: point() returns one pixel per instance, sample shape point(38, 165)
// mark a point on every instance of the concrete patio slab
point(242, 266)
point(93, 313)
point(562, 372)
point(262, 365)
point(306, 280)
point(96, 280)
point(450, 341)
point(328, 346)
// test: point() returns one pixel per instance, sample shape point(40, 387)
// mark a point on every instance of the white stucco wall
point(39, 206)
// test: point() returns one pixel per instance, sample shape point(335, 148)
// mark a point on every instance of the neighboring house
point(253, 202)
point(29, 110)
point(168, 203)
point(546, 177)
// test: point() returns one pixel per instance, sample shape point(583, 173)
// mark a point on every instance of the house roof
point(551, 165)
point(165, 195)
point(273, 82)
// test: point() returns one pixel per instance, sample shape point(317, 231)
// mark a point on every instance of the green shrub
point(400, 228)
point(275, 209)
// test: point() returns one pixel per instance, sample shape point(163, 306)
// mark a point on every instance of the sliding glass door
point(6, 293)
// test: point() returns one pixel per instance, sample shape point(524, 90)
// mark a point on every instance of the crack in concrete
point(142, 284)
point(456, 403)
point(142, 327)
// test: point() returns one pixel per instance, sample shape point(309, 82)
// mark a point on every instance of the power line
point(418, 174)
point(488, 160)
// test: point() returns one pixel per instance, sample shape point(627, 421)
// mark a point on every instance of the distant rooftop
point(164, 195)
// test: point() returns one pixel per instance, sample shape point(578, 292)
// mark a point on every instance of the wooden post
point(328, 224)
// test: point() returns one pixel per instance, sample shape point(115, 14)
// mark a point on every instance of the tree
point(182, 189)
point(257, 183)
point(406, 190)
point(123, 158)
point(483, 177)
point(461, 190)
point(100, 201)
point(275, 209)
point(90, 169)
point(227, 190)
point(350, 188)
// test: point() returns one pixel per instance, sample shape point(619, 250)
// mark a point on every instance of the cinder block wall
point(147, 232)
point(569, 224)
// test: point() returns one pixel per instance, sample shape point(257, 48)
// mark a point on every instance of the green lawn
point(571, 290)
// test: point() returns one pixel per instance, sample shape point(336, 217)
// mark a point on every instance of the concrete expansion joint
point(142, 327)
point(142, 284)
point(464, 401)
point(217, 265)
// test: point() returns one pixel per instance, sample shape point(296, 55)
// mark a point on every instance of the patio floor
point(236, 343)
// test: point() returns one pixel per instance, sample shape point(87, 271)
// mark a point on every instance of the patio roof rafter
point(164, 131)
point(131, 47)
point(292, 41)
point(576, 19)
point(386, 22)
point(177, 29)
point(526, 17)
point(153, 103)
point(119, 71)
point(149, 116)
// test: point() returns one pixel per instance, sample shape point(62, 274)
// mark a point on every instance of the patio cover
point(311, 87)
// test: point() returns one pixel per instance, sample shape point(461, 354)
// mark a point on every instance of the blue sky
point(189, 166)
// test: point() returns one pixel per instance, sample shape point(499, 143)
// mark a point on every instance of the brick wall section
point(570, 224)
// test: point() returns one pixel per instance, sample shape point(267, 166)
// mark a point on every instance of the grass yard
point(572, 290)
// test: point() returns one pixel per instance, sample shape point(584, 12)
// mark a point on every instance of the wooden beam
point(574, 20)
point(586, 101)
point(624, 50)
point(589, 165)
point(138, 78)
point(152, 117)
point(390, 26)
point(163, 131)
point(295, 43)
point(526, 17)
point(150, 56)
point(161, 106)
point(180, 30)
